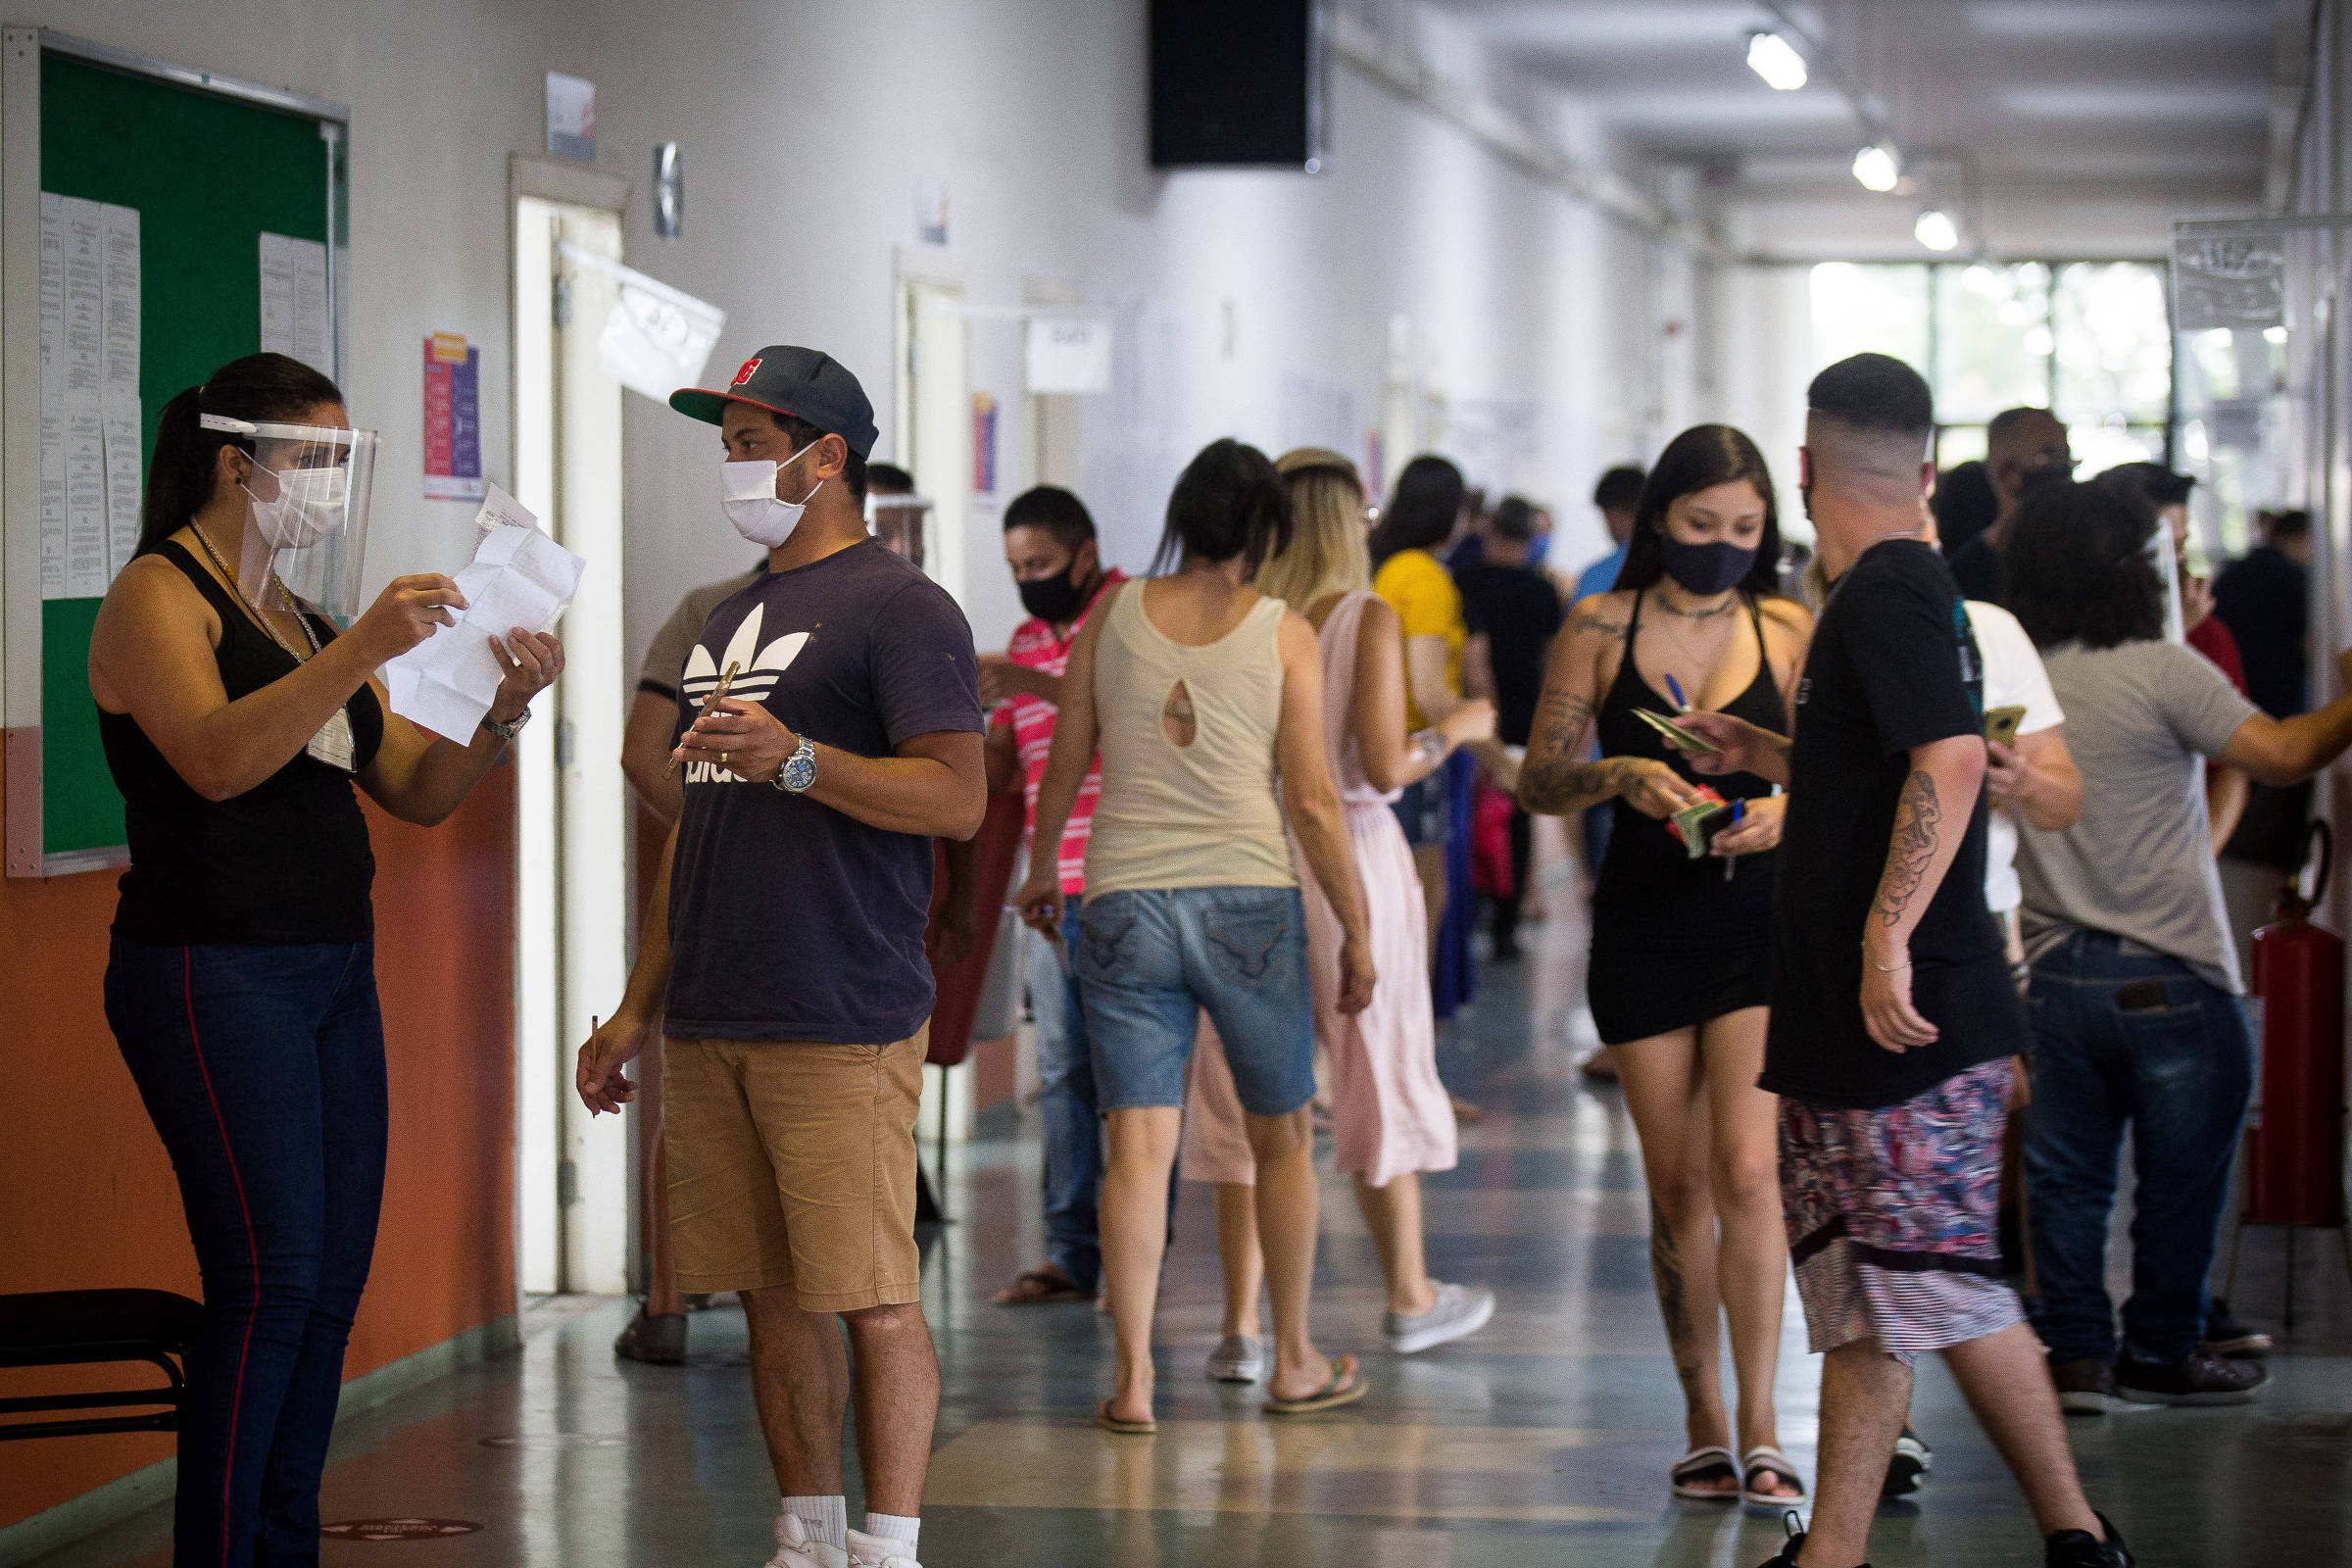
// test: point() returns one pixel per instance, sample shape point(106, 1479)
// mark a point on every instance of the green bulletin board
point(210, 166)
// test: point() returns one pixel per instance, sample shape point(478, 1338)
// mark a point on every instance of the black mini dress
point(1675, 943)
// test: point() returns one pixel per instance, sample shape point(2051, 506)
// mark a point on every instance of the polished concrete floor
point(1545, 1438)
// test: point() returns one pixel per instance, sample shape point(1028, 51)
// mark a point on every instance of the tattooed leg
point(1671, 1124)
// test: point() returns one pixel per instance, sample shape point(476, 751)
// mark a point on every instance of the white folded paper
point(520, 578)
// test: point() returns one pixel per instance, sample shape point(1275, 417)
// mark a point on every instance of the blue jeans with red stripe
point(263, 1067)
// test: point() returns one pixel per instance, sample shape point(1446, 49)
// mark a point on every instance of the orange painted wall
point(86, 1192)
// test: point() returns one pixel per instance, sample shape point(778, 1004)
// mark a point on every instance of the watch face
point(799, 773)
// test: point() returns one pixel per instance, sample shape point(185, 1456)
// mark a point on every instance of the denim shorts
point(1150, 962)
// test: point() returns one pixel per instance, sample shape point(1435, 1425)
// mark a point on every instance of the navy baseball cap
point(802, 382)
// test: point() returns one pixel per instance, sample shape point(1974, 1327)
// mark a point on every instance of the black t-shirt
point(787, 919)
point(1519, 610)
point(1893, 665)
point(1976, 568)
point(2265, 602)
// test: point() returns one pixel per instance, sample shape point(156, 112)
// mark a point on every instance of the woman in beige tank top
point(1204, 700)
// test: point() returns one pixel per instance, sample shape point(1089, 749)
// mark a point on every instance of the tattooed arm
point(1557, 778)
point(1930, 818)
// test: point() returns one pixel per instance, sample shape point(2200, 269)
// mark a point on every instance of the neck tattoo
point(1660, 600)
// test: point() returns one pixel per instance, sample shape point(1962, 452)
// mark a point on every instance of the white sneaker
point(795, 1550)
point(1458, 1310)
point(874, 1551)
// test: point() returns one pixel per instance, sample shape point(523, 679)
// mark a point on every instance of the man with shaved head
point(1894, 1019)
point(2022, 447)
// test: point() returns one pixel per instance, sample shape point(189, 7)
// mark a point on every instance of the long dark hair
point(1228, 501)
point(259, 387)
point(1422, 510)
point(2075, 567)
point(1700, 458)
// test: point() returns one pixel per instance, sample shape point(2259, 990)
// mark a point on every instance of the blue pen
point(1738, 810)
point(1676, 687)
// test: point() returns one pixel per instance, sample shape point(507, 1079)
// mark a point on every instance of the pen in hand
point(717, 694)
point(1738, 810)
point(1675, 687)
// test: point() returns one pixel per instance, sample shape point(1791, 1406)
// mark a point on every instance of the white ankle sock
point(899, 1531)
point(827, 1519)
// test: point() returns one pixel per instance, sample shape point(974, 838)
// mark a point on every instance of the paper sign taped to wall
point(658, 338)
point(1068, 354)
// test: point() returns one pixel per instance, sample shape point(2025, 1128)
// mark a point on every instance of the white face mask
point(310, 506)
point(747, 492)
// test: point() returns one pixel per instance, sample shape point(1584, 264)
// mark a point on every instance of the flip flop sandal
point(1757, 1461)
point(1347, 1386)
point(1710, 1463)
point(1125, 1429)
point(1053, 1287)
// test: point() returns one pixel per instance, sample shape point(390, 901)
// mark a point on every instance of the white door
point(571, 904)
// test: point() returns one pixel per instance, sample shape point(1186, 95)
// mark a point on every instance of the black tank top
point(1647, 870)
point(285, 861)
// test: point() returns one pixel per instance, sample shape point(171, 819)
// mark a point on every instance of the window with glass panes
point(2091, 341)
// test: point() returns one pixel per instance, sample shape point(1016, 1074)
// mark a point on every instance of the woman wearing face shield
point(241, 983)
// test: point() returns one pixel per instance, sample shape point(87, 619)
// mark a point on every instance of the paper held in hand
point(1682, 740)
point(520, 578)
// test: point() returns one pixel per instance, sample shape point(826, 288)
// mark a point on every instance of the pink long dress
point(1389, 1110)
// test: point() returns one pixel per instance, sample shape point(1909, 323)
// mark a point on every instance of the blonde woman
point(1392, 1117)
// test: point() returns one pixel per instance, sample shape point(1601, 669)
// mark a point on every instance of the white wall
point(1033, 114)
point(806, 129)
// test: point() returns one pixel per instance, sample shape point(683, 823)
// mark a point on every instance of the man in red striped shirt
point(1050, 544)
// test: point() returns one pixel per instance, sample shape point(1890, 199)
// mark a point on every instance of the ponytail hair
point(260, 389)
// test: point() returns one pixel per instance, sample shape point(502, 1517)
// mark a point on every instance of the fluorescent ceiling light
point(1937, 230)
point(1770, 56)
point(1877, 168)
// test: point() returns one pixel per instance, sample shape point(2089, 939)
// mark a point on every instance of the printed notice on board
point(453, 418)
point(91, 463)
point(294, 319)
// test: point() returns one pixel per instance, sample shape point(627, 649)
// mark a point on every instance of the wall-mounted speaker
point(1239, 84)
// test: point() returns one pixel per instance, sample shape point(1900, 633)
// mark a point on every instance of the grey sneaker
point(1237, 1358)
point(1458, 1310)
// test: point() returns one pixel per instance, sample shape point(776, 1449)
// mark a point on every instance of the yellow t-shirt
point(1422, 592)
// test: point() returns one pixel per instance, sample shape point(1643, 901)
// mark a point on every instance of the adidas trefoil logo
point(758, 677)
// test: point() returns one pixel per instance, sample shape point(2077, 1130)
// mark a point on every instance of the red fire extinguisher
point(2295, 1169)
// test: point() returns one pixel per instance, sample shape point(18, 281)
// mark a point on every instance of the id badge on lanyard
point(334, 744)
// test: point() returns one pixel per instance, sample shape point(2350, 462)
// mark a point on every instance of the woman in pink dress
point(1391, 1115)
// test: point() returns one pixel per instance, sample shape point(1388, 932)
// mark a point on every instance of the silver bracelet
point(1886, 968)
point(1429, 745)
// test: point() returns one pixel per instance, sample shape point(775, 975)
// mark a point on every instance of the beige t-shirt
point(666, 655)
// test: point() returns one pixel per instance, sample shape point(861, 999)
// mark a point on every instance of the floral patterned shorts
point(1892, 1217)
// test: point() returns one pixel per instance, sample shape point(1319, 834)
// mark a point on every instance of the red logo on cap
point(745, 374)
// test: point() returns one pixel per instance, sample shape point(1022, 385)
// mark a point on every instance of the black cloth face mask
point(1704, 570)
point(1056, 599)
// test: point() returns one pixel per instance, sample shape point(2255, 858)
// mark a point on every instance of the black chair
point(69, 1327)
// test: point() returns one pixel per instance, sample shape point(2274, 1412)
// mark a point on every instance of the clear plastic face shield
point(307, 488)
point(898, 521)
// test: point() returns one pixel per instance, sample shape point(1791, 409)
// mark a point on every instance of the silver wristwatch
point(507, 732)
point(799, 768)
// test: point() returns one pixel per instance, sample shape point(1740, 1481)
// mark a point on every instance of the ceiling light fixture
point(1877, 168)
point(1775, 60)
point(1937, 230)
